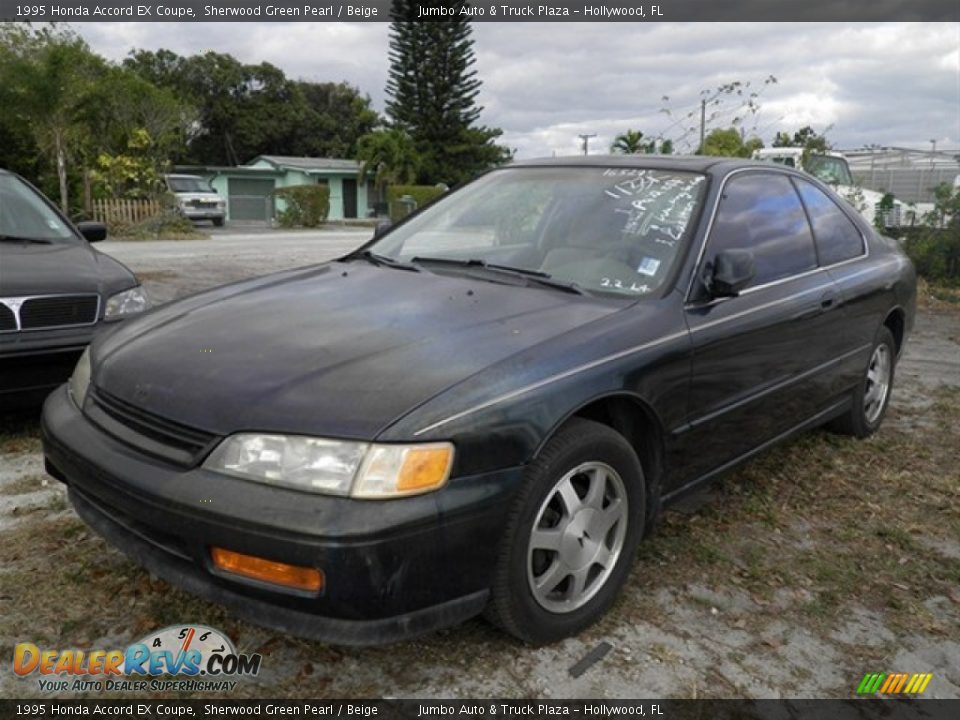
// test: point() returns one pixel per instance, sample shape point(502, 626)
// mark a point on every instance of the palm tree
point(629, 143)
point(390, 156)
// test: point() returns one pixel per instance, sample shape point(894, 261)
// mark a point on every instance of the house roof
point(310, 164)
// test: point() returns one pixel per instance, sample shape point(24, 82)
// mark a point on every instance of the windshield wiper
point(383, 260)
point(531, 276)
point(25, 240)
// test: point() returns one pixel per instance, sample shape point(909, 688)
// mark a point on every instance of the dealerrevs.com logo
point(177, 658)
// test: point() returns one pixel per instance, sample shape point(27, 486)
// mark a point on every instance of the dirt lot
point(822, 561)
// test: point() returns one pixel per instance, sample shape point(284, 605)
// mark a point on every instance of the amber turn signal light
point(271, 571)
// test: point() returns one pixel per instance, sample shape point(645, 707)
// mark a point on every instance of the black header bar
point(501, 11)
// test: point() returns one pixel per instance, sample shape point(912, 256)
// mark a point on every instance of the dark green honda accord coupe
point(485, 408)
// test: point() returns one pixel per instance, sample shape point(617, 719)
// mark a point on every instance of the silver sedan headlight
point(80, 380)
point(334, 467)
point(128, 302)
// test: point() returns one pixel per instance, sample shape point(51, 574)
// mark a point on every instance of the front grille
point(147, 432)
point(8, 321)
point(43, 312)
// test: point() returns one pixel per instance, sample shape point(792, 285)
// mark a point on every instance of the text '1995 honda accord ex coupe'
point(485, 408)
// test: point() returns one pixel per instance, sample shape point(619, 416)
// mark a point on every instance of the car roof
point(689, 163)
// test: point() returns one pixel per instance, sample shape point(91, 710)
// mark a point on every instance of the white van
point(196, 198)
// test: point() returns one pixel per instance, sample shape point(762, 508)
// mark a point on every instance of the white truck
point(833, 169)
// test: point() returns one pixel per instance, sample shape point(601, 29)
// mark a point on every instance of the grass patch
point(937, 296)
point(20, 432)
point(826, 519)
point(24, 485)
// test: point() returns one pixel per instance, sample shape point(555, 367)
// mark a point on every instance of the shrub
point(935, 252)
point(422, 194)
point(935, 247)
point(306, 205)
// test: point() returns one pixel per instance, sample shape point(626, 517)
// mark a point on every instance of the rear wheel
point(872, 395)
point(571, 535)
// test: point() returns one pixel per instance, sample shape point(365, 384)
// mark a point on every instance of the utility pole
point(703, 122)
point(933, 151)
point(586, 141)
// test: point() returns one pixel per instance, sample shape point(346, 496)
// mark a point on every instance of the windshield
point(832, 170)
point(25, 214)
point(189, 185)
point(780, 160)
point(608, 230)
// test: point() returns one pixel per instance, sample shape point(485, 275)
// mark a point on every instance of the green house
point(249, 188)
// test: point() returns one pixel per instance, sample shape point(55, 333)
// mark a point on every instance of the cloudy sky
point(544, 84)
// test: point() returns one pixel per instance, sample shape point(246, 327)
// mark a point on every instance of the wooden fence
point(128, 212)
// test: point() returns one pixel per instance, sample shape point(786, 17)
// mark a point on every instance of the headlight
point(80, 380)
point(334, 467)
point(128, 302)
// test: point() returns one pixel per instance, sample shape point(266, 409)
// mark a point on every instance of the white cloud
point(892, 84)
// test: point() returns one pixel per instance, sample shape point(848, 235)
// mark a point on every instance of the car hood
point(60, 268)
point(339, 350)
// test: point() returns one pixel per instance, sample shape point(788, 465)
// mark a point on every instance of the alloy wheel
point(577, 537)
point(878, 383)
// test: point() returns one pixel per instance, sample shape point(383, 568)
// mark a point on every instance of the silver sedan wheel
point(878, 383)
point(577, 537)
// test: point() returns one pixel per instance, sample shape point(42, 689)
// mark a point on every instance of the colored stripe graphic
point(868, 682)
point(894, 683)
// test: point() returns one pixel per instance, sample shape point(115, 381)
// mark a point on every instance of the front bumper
point(393, 568)
point(33, 363)
point(192, 213)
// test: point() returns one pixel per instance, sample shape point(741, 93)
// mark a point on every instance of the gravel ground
point(822, 561)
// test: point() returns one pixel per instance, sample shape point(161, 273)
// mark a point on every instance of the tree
point(46, 76)
point(628, 143)
point(806, 138)
point(729, 143)
point(432, 90)
point(337, 116)
point(137, 131)
point(247, 110)
point(390, 156)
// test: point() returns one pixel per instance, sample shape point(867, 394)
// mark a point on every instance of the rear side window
point(761, 212)
point(837, 238)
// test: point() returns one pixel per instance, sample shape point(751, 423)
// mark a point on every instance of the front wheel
point(571, 535)
point(872, 396)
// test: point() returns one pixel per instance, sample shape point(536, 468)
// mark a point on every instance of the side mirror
point(93, 231)
point(382, 227)
point(732, 271)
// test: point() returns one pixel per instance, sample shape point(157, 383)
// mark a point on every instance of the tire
point(872, 396)
point(579, 575)
point(218, 222)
